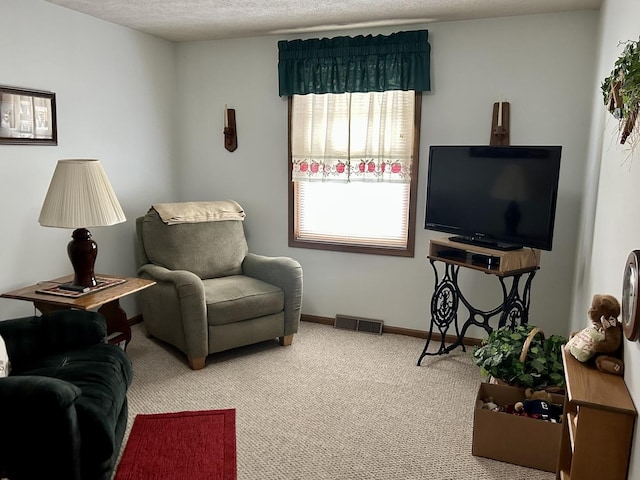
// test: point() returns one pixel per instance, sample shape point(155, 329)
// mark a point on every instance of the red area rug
point(182, 446)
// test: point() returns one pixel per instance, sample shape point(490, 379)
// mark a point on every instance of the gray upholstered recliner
point(211, 294)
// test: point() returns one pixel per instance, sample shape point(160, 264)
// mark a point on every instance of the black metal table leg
point(444, 307)
point(513, 310)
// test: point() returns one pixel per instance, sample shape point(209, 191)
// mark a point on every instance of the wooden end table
point(106, 301)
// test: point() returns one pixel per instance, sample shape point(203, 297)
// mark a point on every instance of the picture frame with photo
point(27, 117)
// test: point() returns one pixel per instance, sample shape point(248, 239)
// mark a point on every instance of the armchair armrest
point(187, 283)
point(52, 332)
point(186, 289)
point(286, 274)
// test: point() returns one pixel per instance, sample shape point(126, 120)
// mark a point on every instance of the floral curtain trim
point(354, 170)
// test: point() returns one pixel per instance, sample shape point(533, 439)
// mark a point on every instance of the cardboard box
point(510, 438)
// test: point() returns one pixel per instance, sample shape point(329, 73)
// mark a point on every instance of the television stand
point(483, 242)
point(513, 265)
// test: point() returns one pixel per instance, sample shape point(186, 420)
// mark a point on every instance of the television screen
point(500, 197)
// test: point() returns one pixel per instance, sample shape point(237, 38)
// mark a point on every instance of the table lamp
point(80, 196)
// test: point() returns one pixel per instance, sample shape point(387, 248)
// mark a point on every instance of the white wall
point(114, 90)
point(538, 63)
point(613, 217)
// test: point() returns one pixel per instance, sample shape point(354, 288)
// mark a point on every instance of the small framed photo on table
point(27, 117)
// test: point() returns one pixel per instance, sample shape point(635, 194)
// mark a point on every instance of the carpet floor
point(335, 405)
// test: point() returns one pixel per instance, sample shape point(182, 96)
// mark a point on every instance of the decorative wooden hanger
point(500, 124)
point(230, 132)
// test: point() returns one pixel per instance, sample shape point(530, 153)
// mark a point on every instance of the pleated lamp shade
point(80, 196)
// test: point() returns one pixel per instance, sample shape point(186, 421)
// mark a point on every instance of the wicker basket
point(523, 356)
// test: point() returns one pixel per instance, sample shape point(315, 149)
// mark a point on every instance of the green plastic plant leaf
point(499, 356)
point(621, 90)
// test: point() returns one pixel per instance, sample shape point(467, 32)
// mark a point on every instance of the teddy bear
point(489, 404)
point(602, 340)
point(531, 394)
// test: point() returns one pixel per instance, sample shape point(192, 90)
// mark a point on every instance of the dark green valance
point(399, 61)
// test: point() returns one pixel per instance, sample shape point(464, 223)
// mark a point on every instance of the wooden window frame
point(409, 250)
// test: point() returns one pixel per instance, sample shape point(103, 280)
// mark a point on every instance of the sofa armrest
point(39, 428)
point(52, 332)
point(185, 288)
point(286, 274)
point(26, 394)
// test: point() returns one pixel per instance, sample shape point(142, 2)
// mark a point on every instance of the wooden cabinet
point(598, 423)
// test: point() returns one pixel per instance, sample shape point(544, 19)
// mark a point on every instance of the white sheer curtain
point(353, 137)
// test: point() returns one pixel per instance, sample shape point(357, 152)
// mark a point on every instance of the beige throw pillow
point(582, 345)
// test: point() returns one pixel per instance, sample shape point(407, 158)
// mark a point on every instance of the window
point(353, 171)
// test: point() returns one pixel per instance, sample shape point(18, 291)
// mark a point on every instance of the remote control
point(74, 288)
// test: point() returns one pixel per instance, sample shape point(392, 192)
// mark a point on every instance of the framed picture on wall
point(27, 117)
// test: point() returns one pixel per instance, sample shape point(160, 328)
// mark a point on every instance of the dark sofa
point(63, 408)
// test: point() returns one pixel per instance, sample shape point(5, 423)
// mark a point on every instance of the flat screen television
point(500, 197)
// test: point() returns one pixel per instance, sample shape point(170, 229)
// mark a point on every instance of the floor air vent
point(359, 324)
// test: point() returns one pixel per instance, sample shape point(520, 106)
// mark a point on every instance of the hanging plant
point(621, 91)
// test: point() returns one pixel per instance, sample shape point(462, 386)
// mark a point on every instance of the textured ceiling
point(188, 20)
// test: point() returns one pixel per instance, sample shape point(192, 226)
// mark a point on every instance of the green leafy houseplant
point(621, 91)
point(499, 356)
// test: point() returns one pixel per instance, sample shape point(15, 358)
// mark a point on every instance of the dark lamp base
point(82, 252)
